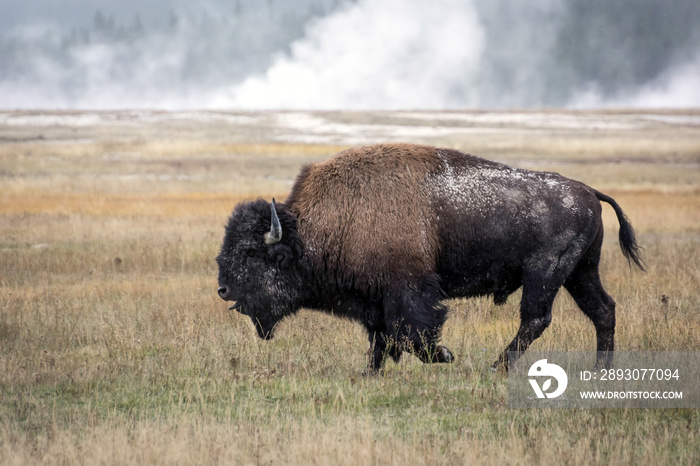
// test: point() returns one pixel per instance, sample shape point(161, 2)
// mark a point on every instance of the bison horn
point(275, 233)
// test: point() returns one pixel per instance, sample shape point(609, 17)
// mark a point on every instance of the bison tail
point(628, 241)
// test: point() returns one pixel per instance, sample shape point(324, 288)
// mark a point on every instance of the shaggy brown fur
point(387, 219)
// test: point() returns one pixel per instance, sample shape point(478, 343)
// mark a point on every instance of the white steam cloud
point(678, 87)
point(389, 54)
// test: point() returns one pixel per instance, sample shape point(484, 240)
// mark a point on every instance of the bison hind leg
point(590, 296)
point(541, 282)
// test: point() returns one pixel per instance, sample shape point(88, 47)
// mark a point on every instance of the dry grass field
point(115, 348)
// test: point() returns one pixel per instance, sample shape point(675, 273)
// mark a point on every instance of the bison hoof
point(443, 354)
point(499, 367)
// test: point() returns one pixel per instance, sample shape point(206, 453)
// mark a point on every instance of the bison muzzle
point(384, 234)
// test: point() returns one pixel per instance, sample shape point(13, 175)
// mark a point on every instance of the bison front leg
point(415, 318)
point(381, 345)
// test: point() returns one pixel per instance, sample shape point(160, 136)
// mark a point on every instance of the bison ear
point(281, 254)
point(274, 236)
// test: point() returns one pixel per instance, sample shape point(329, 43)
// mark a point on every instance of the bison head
point(259, 264)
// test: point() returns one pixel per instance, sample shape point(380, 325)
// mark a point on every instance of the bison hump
point(365, 216)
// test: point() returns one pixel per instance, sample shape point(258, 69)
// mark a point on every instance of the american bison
point(383, 234)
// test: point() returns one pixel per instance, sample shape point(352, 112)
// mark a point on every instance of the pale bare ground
point(116, 349)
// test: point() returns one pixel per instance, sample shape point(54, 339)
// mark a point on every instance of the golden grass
point(156, 204)
point(114, 347)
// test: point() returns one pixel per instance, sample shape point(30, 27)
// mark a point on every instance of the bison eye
point(252, 253)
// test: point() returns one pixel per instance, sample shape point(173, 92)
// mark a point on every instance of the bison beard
point(383, 234)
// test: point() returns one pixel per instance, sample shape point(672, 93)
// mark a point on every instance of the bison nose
point(223, 292)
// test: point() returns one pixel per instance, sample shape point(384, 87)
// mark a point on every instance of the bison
point(384, 234)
